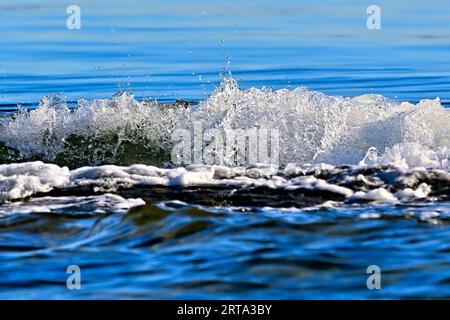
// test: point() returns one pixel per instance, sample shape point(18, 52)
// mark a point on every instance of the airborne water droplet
point(371, 157)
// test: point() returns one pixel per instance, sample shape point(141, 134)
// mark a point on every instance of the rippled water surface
point(173, 49)
point(141, 228)
point(187, 252)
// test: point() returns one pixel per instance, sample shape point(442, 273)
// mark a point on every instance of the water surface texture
point(88, 177)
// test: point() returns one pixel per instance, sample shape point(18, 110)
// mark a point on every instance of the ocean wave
point(313, 128)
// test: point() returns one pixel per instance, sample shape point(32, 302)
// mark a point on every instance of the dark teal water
point(205, 249)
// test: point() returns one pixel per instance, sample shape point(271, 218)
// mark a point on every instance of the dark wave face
point(78, 151)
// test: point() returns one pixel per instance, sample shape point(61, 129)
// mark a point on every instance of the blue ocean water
point(170, 50)
point(221, 241)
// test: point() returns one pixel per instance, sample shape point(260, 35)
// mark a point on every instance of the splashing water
point(314, 128)
point(371, 157)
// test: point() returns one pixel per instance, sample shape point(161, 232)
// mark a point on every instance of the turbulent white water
point(314, 127)
point(367, 131)
point(355, 183)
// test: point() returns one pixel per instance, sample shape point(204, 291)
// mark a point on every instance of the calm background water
point(175, 49)
point(178, 49)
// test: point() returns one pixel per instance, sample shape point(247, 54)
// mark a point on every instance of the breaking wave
point(313, 128)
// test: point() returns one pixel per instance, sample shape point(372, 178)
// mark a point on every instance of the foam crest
point(95, 132)
point(313, 127)
point(318, 128)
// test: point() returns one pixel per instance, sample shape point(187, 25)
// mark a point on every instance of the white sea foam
point(20, 180)
point(23, 180)
point(422, 191)
point(380, 194)
point(314, 127)
point(383, 195)
point(312, 183)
